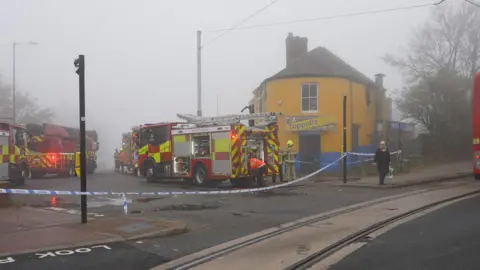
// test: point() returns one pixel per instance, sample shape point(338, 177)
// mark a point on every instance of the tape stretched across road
point(159, 193)
point(170, 193)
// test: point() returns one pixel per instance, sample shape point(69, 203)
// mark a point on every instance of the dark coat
point(382, 158)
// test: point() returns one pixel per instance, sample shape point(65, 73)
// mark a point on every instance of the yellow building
point(309, 92)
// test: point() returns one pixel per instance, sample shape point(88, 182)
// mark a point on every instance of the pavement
point(55, 230)
point(211, 219)
point(445, 239)
point(436, 173)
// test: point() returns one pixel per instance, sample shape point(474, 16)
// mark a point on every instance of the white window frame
point(309, 97)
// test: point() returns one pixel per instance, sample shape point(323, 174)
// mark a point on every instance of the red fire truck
point(208, 150)
point(476, 126)
point(52, 150)
point(130, 147)
point(13, 150)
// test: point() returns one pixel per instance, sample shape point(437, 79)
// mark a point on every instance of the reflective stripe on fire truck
point(272, 148)
point(221, 153)
point(181, 145)
point(238, 155)
point(155, 152)
point(38, 138)
point(77, 164)
point(4, 157)
point(15, 157)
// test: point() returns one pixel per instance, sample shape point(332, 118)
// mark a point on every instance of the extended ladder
point(228, 119)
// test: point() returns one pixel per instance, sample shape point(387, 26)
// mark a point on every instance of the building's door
point(308, 151)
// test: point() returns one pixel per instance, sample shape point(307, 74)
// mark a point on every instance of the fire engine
point(13, 150)
point(129, 146)
point(208, 150)
point(52, 150)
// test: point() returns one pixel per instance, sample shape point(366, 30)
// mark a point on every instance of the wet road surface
point(211, 219)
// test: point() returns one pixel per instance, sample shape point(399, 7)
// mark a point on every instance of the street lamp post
point(14, 105)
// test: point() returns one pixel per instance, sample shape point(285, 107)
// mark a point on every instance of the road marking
point(62, 252)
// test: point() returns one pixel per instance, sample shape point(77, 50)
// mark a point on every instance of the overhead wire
point(377, 11)
point(473, 3)
point(242, 22)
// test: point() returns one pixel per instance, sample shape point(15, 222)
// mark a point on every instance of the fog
point(141, 55)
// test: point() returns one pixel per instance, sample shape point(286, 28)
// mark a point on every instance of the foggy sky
point(141, 55)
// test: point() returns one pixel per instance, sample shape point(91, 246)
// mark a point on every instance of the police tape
point(160, 193)
point(372, 154)
point(398, 152)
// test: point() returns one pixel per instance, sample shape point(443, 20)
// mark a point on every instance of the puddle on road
point(186, 207)
point(147, 200)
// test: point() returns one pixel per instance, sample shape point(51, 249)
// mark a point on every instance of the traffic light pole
point(80, 64)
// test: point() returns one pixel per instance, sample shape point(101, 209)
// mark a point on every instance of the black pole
point(344, 141)
point(400, 146)
point(80, 63)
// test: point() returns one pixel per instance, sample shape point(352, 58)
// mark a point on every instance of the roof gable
point(320, 62)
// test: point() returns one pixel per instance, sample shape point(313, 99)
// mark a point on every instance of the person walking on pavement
point(257, 168)
point(382, 159)
point(122, 160)
point(116, 158)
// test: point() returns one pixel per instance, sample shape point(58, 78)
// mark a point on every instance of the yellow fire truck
point(208, 150)
point(13, 150)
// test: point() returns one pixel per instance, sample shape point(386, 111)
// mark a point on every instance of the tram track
point(322, 254)
point(292, 226)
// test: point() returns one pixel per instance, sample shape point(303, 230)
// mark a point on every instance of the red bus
point(476, 125)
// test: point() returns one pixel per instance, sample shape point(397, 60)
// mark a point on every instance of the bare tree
point(439, 63)
point(449, 41)
point(27, 109)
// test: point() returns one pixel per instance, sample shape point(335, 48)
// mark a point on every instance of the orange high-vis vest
point(122, 156)
point(256, 163)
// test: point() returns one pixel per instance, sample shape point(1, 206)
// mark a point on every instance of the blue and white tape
point(159, 193)
point(372, 154)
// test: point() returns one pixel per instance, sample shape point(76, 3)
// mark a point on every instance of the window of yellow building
point(309, 97)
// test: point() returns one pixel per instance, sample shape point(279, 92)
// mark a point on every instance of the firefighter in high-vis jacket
point(257, 167)
point(288, 160)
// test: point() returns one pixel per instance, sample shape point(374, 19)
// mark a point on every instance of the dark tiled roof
point(320, 62)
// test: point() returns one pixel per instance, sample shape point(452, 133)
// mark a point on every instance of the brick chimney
point(295, 47)
point(379, 80)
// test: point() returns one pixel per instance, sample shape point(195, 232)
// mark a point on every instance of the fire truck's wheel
point(477, 176)
point(200, 175)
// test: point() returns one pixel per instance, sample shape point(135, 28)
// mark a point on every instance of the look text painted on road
point(62, 252)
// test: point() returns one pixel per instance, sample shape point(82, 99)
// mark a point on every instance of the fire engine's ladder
point(228, 119)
